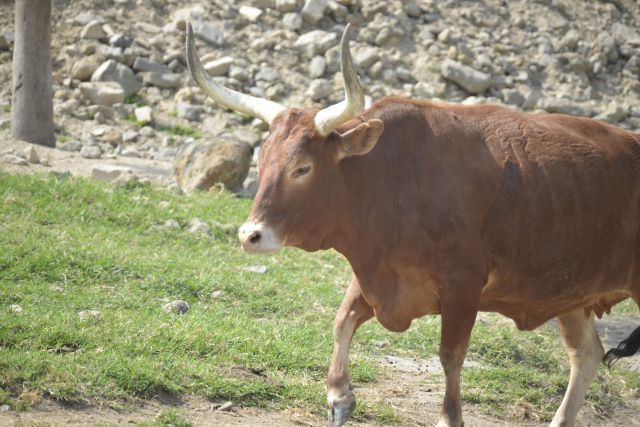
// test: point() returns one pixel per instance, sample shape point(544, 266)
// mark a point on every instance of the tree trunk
point(32, 103)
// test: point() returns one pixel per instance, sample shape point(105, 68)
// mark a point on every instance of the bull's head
point(299, 173)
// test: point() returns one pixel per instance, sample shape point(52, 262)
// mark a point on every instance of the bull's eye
point(301, 171)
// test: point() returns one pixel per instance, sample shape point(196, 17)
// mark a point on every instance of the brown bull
point(449, 209)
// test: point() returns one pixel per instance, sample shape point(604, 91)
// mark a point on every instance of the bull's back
point(564, 223)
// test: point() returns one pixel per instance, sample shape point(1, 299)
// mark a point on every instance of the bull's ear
point(361, 139)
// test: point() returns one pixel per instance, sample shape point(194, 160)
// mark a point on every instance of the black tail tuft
point(626, 348)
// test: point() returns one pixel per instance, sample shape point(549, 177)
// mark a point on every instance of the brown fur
point(464, 208)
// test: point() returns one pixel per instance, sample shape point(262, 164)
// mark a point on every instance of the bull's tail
point(626, 348)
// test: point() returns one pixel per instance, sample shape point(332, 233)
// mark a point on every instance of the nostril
point(255, 237)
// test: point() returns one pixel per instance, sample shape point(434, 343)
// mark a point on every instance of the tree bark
point(32, 102)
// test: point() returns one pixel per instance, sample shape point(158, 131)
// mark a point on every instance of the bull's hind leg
point(585, 353)
point(353, 311)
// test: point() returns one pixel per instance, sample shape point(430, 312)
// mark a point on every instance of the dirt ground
point(415, 398)
point(58, 161)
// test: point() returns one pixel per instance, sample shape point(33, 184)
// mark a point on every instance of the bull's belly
point(530, 303)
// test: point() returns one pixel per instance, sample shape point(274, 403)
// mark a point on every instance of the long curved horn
point(328, 119)
point(257, 107)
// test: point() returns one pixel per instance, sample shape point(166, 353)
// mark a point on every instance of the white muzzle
point(258, 238)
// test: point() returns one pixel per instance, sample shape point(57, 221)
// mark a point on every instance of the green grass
point(72, 245)
point(136, 100)
point(180, 130)
point(7, 108)
point(61, 138)
point(169, 417)
point(131, 118)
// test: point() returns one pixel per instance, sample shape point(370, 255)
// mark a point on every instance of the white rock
point(113, 71)
point(85, 67)
point(197, 226)
point(89, 315)
point(172, 224)
point(189, 111)
point(316, 42)
point(192, 13)
point(625, 35)
point(286, 5)
point(319, 89)
point(177, 306)
point(162, 80)
point(563, 106)
point(313, 10)
point(366, 57)
point(6, 40)
point(142, 65)
point(70, 146)
point(103, 93)
point(471, 80)
point(31, 154)
point(225, 407)
point(130, 152)
point(130, 135)
point(16, 308)
point(93, 30)
point(267, 74)
point(292, 21)
point(208, 33)
point(251, 13)
point(144, 114)
point(12, 159)
point(219, 67)
point(512, 97)
point(264, 4)
point(317, 67)
point(108, 173)
point(86, 16)
point(91, 151)
point(260, 269)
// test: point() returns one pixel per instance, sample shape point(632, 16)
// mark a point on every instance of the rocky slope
point(122, 88)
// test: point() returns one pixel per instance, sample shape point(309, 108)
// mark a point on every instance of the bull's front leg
point(459, 307)
point(353, 311)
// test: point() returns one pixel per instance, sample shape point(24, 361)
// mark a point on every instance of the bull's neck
point(370, 218)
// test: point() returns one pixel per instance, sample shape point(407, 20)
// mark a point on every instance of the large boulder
point(85, 67)
point(201, 165)
point(102, 93)
point(113, 71)
point(472, 80)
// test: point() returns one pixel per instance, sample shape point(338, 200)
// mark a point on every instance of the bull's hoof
point(340, 409)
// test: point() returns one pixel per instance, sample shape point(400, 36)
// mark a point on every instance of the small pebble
point(197, 226)
point(216, 294)
point(261, 269)
point(172, 224)
point(227, 406)
point(178, 306)
point(89, 314)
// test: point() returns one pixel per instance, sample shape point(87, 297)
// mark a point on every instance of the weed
point(131, 118)
point(135, 100)
point(180, 130)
